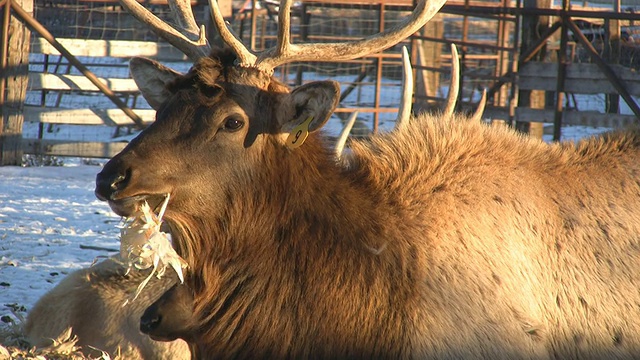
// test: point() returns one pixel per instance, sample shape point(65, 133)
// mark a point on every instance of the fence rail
point(61, 85)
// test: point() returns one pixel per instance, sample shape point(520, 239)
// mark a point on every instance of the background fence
point(62, 110)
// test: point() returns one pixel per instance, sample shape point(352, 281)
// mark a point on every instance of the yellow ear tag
point(299, 134)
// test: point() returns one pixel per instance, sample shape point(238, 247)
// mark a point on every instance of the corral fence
point(517, 52)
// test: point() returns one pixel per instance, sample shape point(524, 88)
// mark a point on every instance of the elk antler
point(454, 86)
point(286, 52)
point(188, 38)
point(191, 40)
point(404, 110)
point(344, 134)
point(245, 56)
point(477, 115)
point(454, 89)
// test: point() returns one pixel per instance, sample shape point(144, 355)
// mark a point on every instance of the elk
point(91, 302)
point(444, 239)
point(171, 316)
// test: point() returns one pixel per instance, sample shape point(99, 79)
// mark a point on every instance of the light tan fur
point(90, 301)
point(524, 249)
point(446, 239)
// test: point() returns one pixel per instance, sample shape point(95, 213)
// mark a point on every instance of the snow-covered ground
point(47, 214)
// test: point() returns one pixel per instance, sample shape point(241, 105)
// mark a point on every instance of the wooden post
point(254, 26)
point(503, 63)
point(532, 26)
point(5, 11)
point(463, 51)
point(612, 45)
point(16, 39)
point(429, 55)
point(376, 100)
point(562, 73)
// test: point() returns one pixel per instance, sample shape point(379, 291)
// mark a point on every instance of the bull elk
point(444, 239)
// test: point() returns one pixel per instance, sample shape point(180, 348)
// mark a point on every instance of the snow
point(46, 213)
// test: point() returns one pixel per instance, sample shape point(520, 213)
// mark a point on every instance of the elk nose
point(150, 321)
point(107, 183)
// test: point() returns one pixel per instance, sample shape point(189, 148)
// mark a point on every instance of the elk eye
point(233, 123)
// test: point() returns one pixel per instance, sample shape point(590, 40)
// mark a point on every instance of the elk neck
point(298, 223)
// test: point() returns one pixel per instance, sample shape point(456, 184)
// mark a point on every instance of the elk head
point(210, 128)
point(171, 316)
point(213, 123)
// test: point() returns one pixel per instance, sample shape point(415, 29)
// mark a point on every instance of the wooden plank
point(14, 68)
point(407, 3)
point(584, 118)
point(581, 78)
point(109, 117)
point(112, 48)
point(61, 82)
point(69, 148)
point(115, 2)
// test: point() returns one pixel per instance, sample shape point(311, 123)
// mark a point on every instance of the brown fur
point(171, 316)
point(448, 239)
point(90, 301)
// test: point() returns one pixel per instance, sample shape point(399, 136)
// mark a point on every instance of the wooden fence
point(59, 85)
point(579, 79)
point(510, 70)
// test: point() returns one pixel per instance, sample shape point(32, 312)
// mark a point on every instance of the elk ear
point(316, 101)
point(152, 78)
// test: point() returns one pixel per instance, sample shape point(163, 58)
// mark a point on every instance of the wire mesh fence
point(106, 20)
point(487, 43)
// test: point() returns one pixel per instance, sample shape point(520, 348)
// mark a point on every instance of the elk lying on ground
point(90, 302)
point(443, 239)
point(171, 316)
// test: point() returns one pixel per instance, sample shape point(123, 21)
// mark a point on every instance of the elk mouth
point(161, 338)
point(125, 192)
point(125, 207)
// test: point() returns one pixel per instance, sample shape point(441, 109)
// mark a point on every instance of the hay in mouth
point(143, 245)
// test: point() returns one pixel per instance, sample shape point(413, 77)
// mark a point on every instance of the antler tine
point(245, 56)
point(477, 115)
point(273, 57)
point(284, 28)
point(404, 110)
point(454, 86)
point(344, 134)
point(189, 39)
point(183, 15)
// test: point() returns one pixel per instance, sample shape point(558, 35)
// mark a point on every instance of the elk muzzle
point(123, 185)
point(171, 316)
point(112, 184)
point(108, 183)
